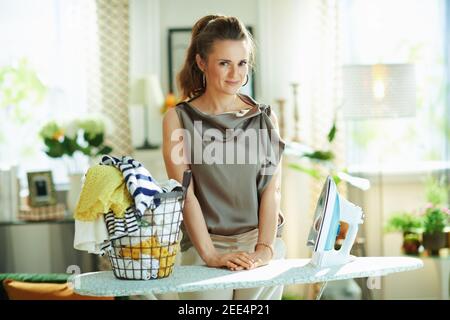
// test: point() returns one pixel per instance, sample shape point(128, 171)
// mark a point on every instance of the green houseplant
point(83, 135)
point(410, 225)
point(435, 216)
point(435, 221)
point(77, 143)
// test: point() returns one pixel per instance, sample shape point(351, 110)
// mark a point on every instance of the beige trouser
point(243, 242)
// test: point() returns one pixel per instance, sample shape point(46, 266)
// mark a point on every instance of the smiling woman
point(232, 215)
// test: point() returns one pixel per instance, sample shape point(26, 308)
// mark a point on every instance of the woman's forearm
point(195, 225)
point(269, 210)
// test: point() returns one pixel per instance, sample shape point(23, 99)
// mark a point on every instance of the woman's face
point(226, 67)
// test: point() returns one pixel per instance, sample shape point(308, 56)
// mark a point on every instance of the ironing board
point(277, 272)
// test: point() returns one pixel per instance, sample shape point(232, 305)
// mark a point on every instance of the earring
point(204, 81)
point(245, 81)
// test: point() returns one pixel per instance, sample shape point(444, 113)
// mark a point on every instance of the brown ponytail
point(205, 31)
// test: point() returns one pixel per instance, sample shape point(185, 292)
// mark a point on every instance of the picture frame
point(41, 188)
point(177, 44)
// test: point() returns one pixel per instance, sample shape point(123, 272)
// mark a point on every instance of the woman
point(232, 207)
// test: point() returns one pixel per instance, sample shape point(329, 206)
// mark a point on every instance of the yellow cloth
point(104, 189)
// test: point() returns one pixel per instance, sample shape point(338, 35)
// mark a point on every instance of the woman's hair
point(205, 31)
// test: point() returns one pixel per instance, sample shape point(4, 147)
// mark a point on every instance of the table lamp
point(146, 91)
point(379, 91)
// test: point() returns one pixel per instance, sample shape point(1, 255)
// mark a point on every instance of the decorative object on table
point(146, 92)
point(409, 224)
point(45, 213)
point(296, 135)
point(331, 209)
point(281, 123)
point(41, 188)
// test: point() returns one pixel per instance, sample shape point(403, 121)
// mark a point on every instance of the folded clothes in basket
point(141, 254)
point(147, 246)
point(145, 268)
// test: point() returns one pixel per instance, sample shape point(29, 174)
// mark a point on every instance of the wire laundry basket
point(150, 252)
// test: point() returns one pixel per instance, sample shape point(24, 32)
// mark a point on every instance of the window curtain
point(325, 89)
point(447, 93)
point(325, 97)
point(108, 70)
point(107, 73)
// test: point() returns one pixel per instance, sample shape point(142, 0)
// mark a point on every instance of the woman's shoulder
point(171, 120)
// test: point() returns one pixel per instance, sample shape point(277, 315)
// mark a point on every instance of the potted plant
point(76, 142)
point(409, 224)
point(82, 135)
point(435, 221)
point(435, 216)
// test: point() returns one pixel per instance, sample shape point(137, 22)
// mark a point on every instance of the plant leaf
point(332, 132)
point(104, 150)
point(320, 155)
point(96, 141)
point(312, 172)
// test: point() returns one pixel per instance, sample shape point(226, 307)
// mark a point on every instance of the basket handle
point(186, 180)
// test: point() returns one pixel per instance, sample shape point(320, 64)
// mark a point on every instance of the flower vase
point(73, 194)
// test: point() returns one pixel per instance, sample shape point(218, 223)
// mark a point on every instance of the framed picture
point(178, 43)
point(41, 188)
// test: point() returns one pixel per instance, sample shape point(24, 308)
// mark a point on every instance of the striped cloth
point(119, 227)
point(139, 182)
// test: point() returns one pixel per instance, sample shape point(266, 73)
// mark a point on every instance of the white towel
point(166, 234)
point(169, 211)
point(90, 235)
point(142, 234)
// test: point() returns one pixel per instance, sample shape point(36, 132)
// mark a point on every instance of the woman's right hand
point(234, 261)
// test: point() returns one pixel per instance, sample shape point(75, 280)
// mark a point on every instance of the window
point(401, 31)
point(50, 37)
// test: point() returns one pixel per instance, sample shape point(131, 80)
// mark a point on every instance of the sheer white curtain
point(324, 89)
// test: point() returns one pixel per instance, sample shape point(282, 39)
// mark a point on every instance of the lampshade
point(379, 91)
point(146, 91)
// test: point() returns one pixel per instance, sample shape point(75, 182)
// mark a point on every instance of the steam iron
point(331, 209)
